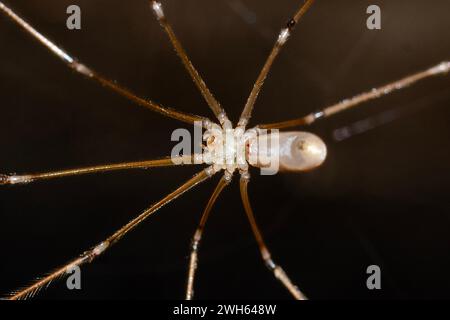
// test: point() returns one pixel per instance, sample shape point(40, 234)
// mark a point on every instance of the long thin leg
point(276, 269)
point(96, 251)
point(212, 102)
point(375, 93)
point(193, 261)
point(28, 178)
point(91, 74)
point(282, 39)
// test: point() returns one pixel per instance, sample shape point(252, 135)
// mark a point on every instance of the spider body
point(232, 149)
point(226, 148)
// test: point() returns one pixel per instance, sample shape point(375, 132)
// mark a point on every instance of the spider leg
point(96, 251)
point(278, 272)
point(282, 39)
point(164, 162)
point(440, 69)
point(193, 261)
point(206, 93)
point(91, 74)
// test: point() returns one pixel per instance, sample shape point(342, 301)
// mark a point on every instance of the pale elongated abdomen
point(291, 151)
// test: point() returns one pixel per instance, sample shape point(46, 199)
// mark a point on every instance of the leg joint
point(196, 240)
point(270, 264)
point(318, 115)
point(81, 68)
point(283, 36)
point(245, 175)
point(158, 10)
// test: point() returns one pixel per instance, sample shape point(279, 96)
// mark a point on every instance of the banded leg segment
point(96, 251)
point(91, 74)
point(278, 272)
point(193, 260)
point(199, 82)
point(440, 69)
point(282, 39)
point(164, 162)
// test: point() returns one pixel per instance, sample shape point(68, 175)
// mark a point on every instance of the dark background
point(382, 197)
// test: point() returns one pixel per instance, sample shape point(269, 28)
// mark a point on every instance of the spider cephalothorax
point(225, 146)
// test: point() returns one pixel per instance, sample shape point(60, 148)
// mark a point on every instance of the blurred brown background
point(382, 197)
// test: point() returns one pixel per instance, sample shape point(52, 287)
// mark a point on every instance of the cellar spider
point(305, 151)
